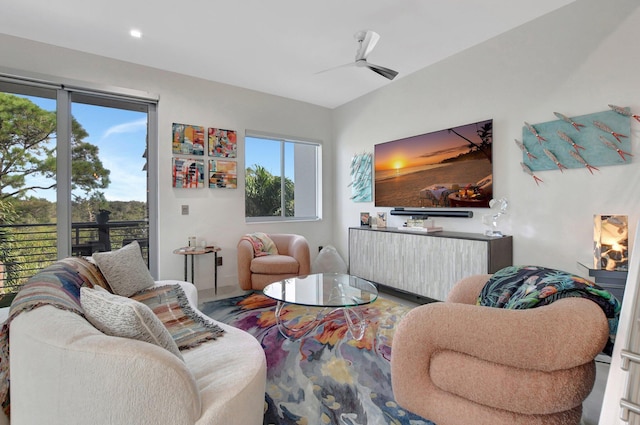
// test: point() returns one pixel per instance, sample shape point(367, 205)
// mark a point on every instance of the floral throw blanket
point(520, 287)
point(262, 244)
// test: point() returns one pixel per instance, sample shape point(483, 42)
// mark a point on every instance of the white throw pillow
point(120, 316)
point(329, 261)
point(124, 269)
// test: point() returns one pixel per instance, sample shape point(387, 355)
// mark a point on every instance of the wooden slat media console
point(424, 264)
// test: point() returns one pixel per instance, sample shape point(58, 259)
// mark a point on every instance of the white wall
point(216, 215)
point(576, 61)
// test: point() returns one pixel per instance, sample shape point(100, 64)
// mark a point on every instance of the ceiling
point(279, 47)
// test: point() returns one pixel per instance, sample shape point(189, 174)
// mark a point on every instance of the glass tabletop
point(594, 268)
point(323, 290)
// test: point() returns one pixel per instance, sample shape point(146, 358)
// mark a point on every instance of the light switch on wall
point(185, 209)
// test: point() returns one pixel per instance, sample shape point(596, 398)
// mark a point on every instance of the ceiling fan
point(367, 41)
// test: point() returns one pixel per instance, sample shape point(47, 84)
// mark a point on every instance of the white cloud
point(128, 181)
point(129, 127)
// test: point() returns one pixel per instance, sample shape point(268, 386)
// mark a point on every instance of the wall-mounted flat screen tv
point(446, 168)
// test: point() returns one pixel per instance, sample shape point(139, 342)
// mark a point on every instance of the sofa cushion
point(231, 377)
point(526, 391)
point(124, 269)
point(275, 264)
point(119, 316)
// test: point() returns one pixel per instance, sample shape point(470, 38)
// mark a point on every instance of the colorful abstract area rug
point(326, 376)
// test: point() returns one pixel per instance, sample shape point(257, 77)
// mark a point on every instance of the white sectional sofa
point(64, 371)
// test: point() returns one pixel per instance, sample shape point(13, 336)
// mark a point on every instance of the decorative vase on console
point(493, 220)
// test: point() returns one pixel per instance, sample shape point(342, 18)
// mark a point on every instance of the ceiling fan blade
point(381, 70)
point(333, 68)
point(367, 43)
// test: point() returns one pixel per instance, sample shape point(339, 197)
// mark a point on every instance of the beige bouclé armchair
point(293, 259)
point(456, 363)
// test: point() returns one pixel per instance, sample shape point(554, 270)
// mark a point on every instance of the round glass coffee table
point(327, 292)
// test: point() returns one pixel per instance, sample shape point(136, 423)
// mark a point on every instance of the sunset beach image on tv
point(446, 168)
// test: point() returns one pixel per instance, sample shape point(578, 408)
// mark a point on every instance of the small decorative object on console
point(424, 225)
point(492, 220)
point(365, 219)
point(381, 219)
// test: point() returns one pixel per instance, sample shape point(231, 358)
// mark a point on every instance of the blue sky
point(121, 137)
point(266, 152)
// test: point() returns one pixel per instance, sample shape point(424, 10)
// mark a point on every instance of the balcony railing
point(27, 248)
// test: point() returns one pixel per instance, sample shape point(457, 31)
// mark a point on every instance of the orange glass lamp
point(610, 242)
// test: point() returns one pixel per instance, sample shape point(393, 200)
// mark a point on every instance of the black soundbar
point(431, 213)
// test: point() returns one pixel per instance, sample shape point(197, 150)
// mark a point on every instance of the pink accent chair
point(293, 259)
point(456, 363)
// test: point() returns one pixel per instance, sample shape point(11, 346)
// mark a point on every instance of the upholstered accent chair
point(293, 259)
point(456, 363)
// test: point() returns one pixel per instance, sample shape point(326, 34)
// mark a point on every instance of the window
point(282, 179)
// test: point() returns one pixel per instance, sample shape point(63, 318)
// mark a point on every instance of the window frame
point(318, 176)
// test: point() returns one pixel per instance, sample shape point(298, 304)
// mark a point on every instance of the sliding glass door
point(73, 176)
point(28, 198)
point(109, 186)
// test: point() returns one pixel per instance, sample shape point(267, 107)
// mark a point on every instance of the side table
point(186, 252)
point(611, 280)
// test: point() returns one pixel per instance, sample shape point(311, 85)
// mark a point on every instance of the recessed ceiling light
point(135, 33)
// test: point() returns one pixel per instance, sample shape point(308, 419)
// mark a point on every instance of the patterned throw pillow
point(262, 244)
point(268, 245)
point(123, 317)
point(88, 271)
point(124, 269)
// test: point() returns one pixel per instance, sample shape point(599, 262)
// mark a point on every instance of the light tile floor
point(591, 406)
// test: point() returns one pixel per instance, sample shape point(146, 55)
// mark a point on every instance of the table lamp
point(610, 242)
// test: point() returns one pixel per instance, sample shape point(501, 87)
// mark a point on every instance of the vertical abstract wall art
point(223, 143)
point(223, 174)
point(187, 139)
point(187, 173)
point(361, 177)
